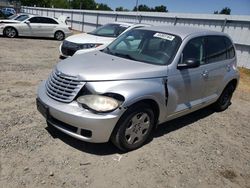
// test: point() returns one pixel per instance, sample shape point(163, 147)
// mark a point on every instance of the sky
point(238, 7)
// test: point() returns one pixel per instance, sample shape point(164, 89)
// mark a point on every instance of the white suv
point(95, 40)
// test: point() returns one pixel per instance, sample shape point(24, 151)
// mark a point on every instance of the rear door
point(48, 26)
point(216, 67)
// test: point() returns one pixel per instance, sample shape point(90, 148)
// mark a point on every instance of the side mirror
point(189, 63)
point(27, 22)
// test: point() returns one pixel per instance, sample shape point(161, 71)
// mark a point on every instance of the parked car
point(147, 76)
point(95, 40)
point(8, 11)
point(36, 26)
point(16, 18)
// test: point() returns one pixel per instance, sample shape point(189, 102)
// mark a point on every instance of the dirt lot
point(204, 149)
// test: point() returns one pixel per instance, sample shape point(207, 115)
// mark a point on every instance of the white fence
point(238, 27)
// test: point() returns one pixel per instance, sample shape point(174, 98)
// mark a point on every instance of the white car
point(95, 40)
point(36, 26)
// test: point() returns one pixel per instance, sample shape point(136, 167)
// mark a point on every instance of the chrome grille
point(62, 87)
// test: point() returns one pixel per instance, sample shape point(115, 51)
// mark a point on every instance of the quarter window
point(215, 49)
point(230, 48)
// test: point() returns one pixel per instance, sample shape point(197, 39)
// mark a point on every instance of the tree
point(121, 9)
point(102, 6)
point(39, 3)
point(60, 3)
point(225, 10)
point(143, 8)
point(83, 4)
point(161, 8)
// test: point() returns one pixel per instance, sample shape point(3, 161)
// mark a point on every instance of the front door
point(188, 84)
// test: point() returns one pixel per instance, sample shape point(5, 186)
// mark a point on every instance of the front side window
point(35, 20)
point(109, 30)
point(194, 50)
point(215, 49)
point(145, 46)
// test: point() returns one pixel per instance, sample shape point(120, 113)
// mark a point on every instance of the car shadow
point(35, 38)
point(109, 149)
point(92, 148)
point(183, 121)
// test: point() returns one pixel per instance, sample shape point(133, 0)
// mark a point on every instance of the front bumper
point(1, 29)
point(73, 120)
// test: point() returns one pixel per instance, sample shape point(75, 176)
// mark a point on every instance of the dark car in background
point(2, 15)
point(8, 11)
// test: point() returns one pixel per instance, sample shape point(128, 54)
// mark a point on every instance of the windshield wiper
point(127, 56)
point(107, 50)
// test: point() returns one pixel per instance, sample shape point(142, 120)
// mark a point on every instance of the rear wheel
point(224, 100)
point(134, 127)
point(10, 32)
point(59, 35)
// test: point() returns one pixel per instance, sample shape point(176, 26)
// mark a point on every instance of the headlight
point(89, 45)
point(98, 103)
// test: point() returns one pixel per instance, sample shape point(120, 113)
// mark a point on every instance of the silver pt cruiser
point(145, 77)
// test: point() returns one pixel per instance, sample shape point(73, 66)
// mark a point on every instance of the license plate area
point(42, 108)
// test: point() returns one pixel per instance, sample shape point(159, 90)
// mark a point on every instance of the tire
point(134, 127)
point(224, 100)
point(10, 32)
point(59, 35)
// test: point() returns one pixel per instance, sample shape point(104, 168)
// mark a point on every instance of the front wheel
point(134, 127)
point(224, 100)
point(59, 35)
point(10, 32)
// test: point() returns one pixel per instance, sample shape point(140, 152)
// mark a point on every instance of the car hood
point(99, 66)
point(88, 38)
point(9, 21)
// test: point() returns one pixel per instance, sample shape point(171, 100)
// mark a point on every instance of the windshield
point(21, 17)
point(145, 46)
point(109, 30)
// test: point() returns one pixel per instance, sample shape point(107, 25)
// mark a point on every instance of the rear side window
point(230, 48)
point(48, 21)
point(215, 49)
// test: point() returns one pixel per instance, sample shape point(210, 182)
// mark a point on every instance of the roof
point(130, 23)
point(182, 31)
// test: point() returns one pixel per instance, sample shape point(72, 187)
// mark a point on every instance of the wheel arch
point(234, 82)
point(152, 104)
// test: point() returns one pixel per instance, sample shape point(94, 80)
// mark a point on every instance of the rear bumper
point(77, 122)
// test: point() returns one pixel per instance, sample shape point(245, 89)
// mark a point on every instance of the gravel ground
point(203, 149)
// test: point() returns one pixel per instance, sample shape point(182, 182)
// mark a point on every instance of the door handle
point(204, 74)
